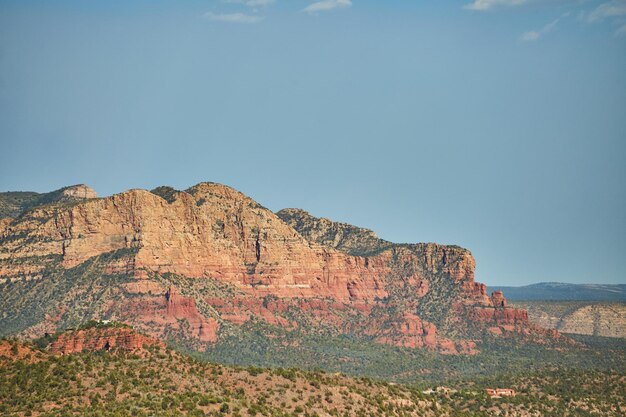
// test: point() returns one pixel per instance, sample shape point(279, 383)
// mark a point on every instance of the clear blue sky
point(497, 125)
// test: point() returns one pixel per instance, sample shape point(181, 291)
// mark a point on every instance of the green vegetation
point(262, 345)
point(165, 192)
point(344, 237)
point(161, 382)
point(80, 291)
point(12, 204)
point(548, 393)
point(166, 384)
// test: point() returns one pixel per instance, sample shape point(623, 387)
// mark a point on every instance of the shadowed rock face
point(408, 295)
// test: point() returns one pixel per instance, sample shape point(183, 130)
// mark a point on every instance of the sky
point(496, 125)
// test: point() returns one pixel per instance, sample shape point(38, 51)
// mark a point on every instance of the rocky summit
point(200, 265)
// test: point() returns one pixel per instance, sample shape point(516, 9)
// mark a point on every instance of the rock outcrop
point(114, 339)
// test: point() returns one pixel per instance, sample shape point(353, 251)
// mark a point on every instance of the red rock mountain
point(196, 263)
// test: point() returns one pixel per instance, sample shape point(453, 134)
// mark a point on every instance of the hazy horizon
point(499, 126)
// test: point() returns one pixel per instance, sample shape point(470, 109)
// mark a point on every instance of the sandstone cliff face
point(103, 339)
point(212, 232)
point(215, 231)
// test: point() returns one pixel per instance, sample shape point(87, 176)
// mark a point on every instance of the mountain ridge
point(15, 203)
point(209, 263)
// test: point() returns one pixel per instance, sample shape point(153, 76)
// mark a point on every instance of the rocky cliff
point(202, 262)
point(113, 339)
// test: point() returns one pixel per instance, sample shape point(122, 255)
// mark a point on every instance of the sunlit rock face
point(403, 294)
point(103, 339)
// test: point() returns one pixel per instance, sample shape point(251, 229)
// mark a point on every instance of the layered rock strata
point(212, 231)
point(103, 339)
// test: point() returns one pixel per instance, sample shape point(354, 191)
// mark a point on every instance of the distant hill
point(566, 292)
point(593, 318)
